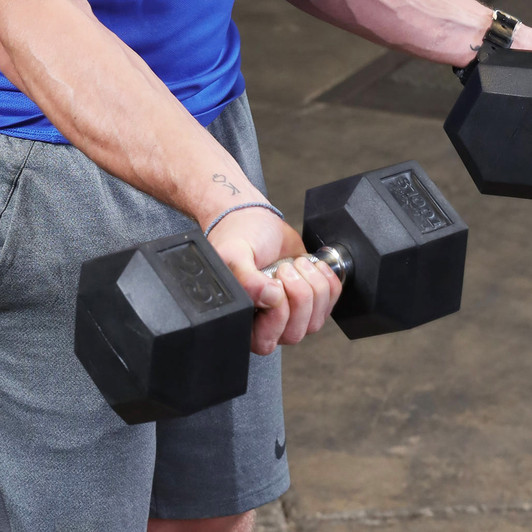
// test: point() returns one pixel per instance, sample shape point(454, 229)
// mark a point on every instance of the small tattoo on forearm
point(474, 48)
point(222, 180)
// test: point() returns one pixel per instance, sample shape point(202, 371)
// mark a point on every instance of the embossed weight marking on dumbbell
point(196, 277)
point(416, 201)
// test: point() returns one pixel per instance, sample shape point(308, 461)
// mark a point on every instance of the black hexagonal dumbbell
point(490, 125)
point(406, 247)
point(164, 328)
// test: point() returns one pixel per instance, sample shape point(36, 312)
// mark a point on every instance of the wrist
point(249, 205)
point(468, 40)
point(211, 182)
point(217, 202)
point(500, 34)
point(522, 38)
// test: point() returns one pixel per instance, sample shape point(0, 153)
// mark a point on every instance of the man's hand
point(303, 294)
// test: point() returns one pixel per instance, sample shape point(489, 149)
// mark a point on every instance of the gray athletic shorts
point(67, 461)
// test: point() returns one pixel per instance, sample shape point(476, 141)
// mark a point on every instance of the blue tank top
point(192, 45)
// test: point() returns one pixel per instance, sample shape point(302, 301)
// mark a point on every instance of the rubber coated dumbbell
point(164, 328)
point(490, 124)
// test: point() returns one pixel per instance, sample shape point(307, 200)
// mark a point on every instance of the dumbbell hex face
point(163, 329)
point(490, 125)
point(407, 242)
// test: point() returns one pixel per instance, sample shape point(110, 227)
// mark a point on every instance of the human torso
point(192, 45)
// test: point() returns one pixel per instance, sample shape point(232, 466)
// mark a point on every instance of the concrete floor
point(422, 431)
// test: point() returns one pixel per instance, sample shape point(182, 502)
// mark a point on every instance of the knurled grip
point(336, 256)
point(271, 270)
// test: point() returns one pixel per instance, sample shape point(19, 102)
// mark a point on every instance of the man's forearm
point(107, 102)
point(446, 31)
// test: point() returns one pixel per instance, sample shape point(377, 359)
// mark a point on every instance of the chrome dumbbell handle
point(336, 256)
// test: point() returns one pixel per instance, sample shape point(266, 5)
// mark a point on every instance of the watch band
point(502, 29)
point(499, 35)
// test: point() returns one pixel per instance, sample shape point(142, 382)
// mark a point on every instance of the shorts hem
point(233, 506)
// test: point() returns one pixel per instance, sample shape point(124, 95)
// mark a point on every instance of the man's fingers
point(268, 327)
point(301, 301)
point(289, 307)
point(264, 292)
point(335, 286)
point(270, 300)
point(311, 292)
point(321, 292)
point(271, 295)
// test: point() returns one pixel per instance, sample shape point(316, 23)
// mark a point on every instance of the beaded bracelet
point(219, 218)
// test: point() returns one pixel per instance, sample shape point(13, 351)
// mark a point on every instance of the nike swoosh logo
point(279, 448)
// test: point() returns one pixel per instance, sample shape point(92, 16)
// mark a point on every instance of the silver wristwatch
point(499, 35)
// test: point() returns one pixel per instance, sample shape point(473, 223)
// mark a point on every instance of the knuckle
point(321, 287)
point(294, 333)
point(337, 290)
point(265, 347)
point(316, 325)
point(300, 295)
point(292, 337)
point(305, 298)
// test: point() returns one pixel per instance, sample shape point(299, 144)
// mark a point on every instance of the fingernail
point(271, 295)
point(289, 272)
point(306, 265)
point(325, 269)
